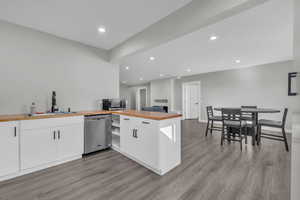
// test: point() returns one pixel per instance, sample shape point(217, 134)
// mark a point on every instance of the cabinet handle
point(58, 134)
point(54, 135)
point(134, 133)
point(145, 122)
point(15, 133)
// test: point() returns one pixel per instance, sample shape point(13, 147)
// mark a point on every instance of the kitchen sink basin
point(43, 114)
point(56, 113)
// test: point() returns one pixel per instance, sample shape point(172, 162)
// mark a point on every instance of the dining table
point(255, 112)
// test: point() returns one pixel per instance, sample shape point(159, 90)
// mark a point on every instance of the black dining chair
point(233, 128)
point(211, 119)
point(251, 122)
point(247, 115)
point(274, 124)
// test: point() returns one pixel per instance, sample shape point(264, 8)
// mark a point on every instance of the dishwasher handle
point(95, 118)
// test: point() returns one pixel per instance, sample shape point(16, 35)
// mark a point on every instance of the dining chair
point(211, 119)
point(247, 115)
point(233, 128)
point(274, 124)
point(251, 124)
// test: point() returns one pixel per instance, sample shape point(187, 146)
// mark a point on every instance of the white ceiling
point(79, 19)
point(263, 34)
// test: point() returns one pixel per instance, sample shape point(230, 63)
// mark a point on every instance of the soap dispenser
point(33, 108)
point(54, 107)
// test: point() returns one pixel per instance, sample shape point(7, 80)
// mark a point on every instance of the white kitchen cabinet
point(47, 142)
point(147, 138)
point(38, 147)
point(295, 159)
point(156, 144)
point(128, 142)
point(9, 148)
point(70, 141)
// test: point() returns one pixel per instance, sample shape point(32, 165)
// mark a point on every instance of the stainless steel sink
point(42, 114)
point(56, 113)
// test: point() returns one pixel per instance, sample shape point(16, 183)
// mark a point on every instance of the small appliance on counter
point(32, 108)
point(113, 104)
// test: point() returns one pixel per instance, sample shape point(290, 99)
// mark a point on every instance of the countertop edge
point(8, 118)
point(170, 116)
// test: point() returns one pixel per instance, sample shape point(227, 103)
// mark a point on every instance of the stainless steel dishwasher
point(97, 133)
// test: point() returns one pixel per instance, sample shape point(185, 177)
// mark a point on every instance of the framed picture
point(292, 84)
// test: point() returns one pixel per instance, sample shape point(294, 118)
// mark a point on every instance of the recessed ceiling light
point(127, 67)
point(161, 75)
point(213, 37)
point(237, 61)
point(152, 58)
point(102, 29)
point(141, 79)
point(124, 82)
point(188, 70)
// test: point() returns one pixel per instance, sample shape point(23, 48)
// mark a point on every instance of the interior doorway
point(141, 98)
point(191, 100)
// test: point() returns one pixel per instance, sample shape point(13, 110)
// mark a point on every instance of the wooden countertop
point(133, 113)
point(147, 114)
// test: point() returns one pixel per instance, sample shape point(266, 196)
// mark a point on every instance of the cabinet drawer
point(52, 122)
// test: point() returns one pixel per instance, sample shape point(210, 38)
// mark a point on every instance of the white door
point(138, 100)
point(9, 149)
point(70, 141)
point(141, 98)
point(38, 147)
point(192, 101)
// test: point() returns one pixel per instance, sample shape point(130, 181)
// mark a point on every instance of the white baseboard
point(264, 128)
point(113, 147)
point(38, 168)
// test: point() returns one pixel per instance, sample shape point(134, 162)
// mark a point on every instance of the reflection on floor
point(208, 171)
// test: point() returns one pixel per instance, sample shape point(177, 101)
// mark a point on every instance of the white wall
point(297, 49)
point(161, 89)
point(33, 64)
point(295, 163)
point(265, 86)
point(158, 89)
point(125, 93)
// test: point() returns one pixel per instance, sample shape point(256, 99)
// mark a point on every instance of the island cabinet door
point(9, 148)
point(128, 141)
point(147, 138)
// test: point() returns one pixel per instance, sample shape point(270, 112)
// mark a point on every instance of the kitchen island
point(32, 143)
point(152, 139)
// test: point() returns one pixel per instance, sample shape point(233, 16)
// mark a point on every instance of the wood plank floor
point(208, 172)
